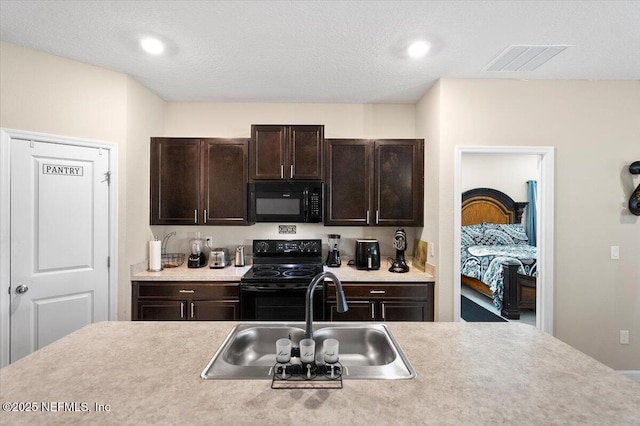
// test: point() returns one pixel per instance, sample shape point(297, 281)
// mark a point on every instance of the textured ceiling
point(326, 51)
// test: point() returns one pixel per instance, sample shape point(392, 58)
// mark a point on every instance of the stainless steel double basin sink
point(367, 350)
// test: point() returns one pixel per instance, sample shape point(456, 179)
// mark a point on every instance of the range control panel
point(271, 247)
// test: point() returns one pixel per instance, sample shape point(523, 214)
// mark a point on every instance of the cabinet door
point(268, 152)
point(305, 148)
point(175, 181)
point(398, 194)
point(403, 311)
point(348, 182)
point(359, 310)
point(214, 310)
point(225, 181)
point(161, 310)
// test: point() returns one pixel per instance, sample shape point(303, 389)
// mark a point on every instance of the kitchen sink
point(367, 351)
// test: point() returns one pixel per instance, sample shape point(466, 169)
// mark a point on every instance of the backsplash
point(232, 236)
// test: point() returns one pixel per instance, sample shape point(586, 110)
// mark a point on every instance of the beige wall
point(48, 94)
point(489, 171)
point(428, 128)
point(202, 119)
point(340, 120)
point(145, 118)
point(594, 127)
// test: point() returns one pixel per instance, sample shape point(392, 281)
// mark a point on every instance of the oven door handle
point(259, 288)
point(270, 289)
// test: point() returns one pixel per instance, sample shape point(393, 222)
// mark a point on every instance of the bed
point(496, 259)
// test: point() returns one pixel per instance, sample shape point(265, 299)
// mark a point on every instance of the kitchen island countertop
point(467, 373)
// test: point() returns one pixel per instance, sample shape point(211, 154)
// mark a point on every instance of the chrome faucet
point(342, 301)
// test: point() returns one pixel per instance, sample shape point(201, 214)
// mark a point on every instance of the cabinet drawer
point(381, 291)
point(187, 290)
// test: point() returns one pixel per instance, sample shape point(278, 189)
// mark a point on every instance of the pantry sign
point(58, 169)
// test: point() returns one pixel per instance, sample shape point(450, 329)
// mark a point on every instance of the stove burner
point(264, 267)
point(266, 273)
point(301, 272)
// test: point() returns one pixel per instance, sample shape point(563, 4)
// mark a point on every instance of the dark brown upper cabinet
point(374, 182)
point(281, 152)
point(199, 181)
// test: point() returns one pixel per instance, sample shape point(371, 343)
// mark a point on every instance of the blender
point(333, 256)
point(197, 259)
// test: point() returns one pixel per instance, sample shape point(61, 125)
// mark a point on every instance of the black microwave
point(285, 202)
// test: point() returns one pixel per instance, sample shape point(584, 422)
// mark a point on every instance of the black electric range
point(275, 287)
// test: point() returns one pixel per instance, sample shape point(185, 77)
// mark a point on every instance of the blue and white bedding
point(486, 246)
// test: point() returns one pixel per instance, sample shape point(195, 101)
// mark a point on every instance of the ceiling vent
point(523, 58)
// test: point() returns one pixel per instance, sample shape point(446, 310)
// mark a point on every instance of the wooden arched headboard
point(481, 205)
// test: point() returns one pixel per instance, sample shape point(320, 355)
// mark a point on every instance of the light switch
point(615, 252)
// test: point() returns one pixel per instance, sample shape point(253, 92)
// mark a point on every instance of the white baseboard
point(632, 374)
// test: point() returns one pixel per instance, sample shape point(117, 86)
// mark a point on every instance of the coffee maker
point(333, 256)
point(400, 244)
point(197, 259)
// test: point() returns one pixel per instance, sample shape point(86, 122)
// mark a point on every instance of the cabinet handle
point(195, 216)
point(181, 309)
point(187, 291)
point(383, 312)
point(205, 215)
point(192, 308)
point(377, 217)
point(291, 172)
point(377, 291)
point(367, 217)
point(373, 310)
point(281, 171)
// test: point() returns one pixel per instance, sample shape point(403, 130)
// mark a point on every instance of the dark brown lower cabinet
point(359, 310)
point(214, 310)
point(184, 301)
point(160, 310)
point(383, 302)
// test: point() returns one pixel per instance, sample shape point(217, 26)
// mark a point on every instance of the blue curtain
point(532, 211)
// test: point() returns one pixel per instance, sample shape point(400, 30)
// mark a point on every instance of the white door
point(59, 241)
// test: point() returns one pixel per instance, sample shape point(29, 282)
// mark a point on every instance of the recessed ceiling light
point(152, 45)
point(418, 49)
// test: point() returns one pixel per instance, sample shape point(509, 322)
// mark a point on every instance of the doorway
point(544, 234)
point(59, 254)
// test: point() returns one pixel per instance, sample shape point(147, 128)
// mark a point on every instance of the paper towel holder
point(155, 250)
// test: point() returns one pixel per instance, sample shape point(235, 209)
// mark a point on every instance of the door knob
point(22, 289)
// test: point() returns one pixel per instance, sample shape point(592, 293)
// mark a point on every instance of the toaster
point(218, 258)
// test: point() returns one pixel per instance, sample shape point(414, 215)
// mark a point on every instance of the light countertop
point(231, 273)
point(481, 373)
point(182, 273)
point(351, 274)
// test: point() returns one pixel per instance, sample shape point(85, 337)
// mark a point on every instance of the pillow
point(503, 234)
point(471, 234)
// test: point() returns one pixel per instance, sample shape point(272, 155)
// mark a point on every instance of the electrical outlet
point(624, 337)
point(615, 252)
point(208, 242)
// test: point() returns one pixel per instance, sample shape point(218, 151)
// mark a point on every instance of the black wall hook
point(634, 201)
